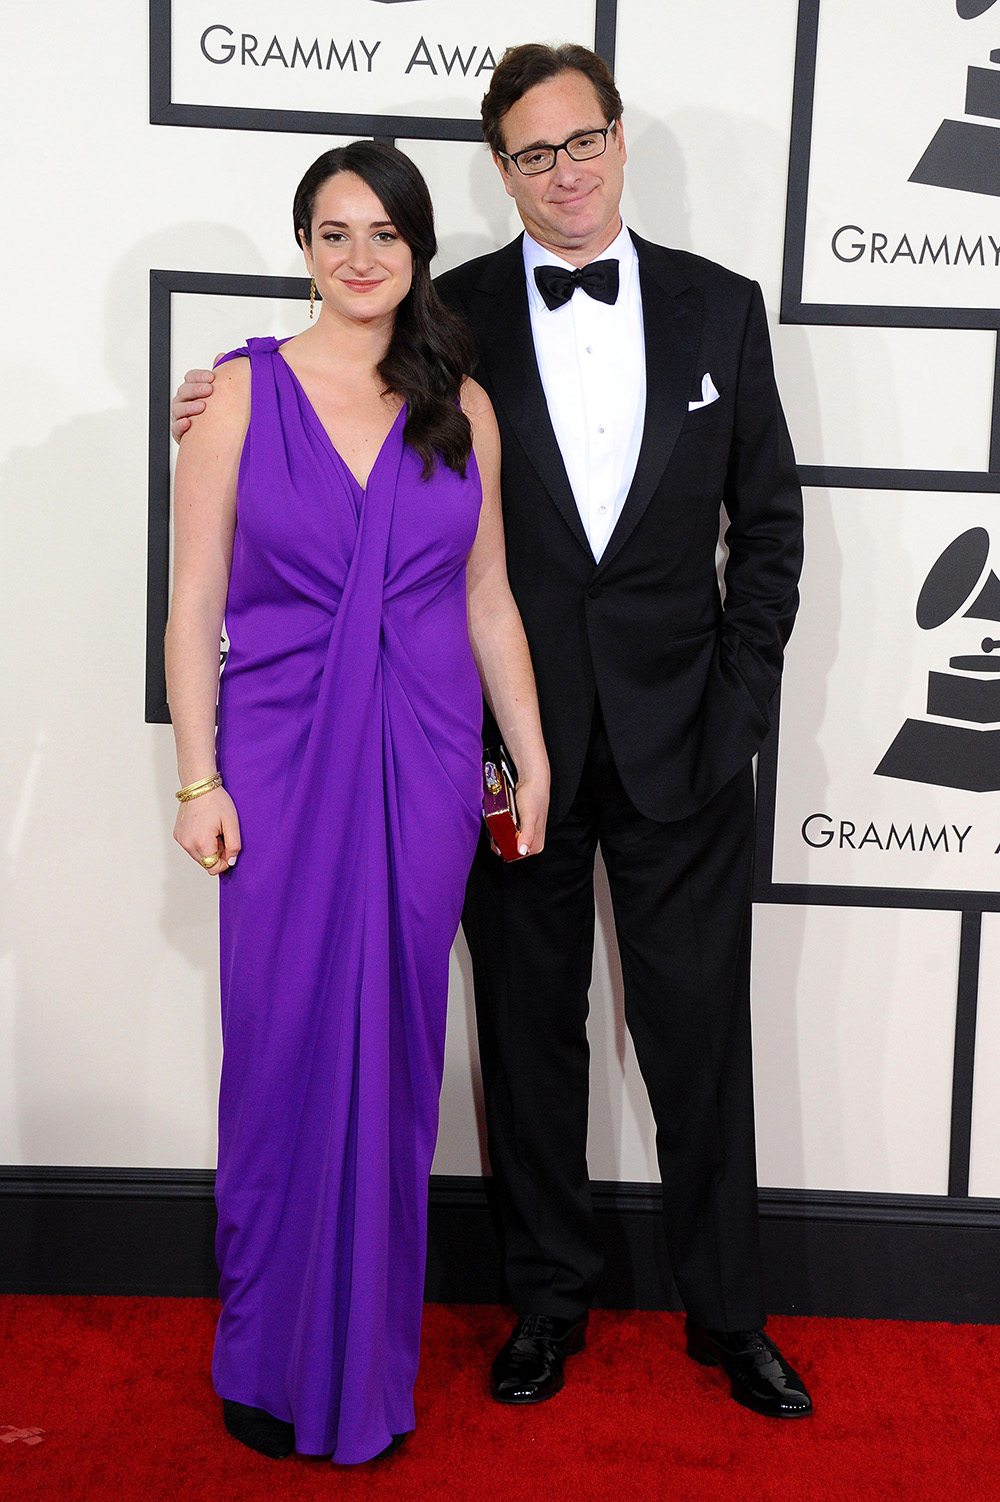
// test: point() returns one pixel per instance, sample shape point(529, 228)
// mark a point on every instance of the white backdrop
point(108, 998)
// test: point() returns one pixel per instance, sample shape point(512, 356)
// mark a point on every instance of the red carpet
point(120, 1389)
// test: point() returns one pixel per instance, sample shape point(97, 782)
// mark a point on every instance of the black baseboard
point(150, 1231)
point(862, 1256)
point(107, 1230)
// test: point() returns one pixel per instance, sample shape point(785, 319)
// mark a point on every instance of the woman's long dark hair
point(431, 348)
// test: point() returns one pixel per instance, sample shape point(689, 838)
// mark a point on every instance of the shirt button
point(600, 430)
point(601, 510)
point(589, 350)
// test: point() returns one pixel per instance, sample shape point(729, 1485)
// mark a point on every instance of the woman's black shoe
point(258, 1429)
point(391, 1447)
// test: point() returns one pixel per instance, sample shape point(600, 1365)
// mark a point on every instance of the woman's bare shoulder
point(485, 434)
point(226, 416)
point(234, 375)
point(479, 410)
point(230, 395)
point(474, 401)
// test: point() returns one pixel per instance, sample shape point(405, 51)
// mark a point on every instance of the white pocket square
point(708, 394)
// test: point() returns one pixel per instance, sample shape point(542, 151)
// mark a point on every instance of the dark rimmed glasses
point(580, 148)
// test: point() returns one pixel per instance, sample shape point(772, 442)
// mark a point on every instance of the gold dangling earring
point(312, 295)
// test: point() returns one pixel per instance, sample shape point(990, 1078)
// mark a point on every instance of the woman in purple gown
point(337, 502)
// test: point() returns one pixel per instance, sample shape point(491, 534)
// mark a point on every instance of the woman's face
point(363, 269)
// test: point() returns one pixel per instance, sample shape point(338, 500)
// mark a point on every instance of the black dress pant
point(681, 898)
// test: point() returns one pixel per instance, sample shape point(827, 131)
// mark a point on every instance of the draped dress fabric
point(349, 737)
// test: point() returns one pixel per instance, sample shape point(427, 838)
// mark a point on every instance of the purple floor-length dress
point(349, 738)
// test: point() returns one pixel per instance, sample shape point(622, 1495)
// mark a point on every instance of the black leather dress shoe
point(760, 1376)
point(529, 1368)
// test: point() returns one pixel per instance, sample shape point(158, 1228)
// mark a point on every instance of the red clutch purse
point(499, 802)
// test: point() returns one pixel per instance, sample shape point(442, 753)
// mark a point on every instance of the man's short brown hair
point(522, 67)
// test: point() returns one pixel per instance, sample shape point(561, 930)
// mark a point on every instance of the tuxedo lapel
point(502, 326)
point(672, 319)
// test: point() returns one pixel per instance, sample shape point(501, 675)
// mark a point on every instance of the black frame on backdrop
point(164, 110)
point(162, 286)
point(793, 309)
point(971, 904)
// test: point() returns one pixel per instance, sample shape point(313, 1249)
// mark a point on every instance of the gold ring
point(208, 861)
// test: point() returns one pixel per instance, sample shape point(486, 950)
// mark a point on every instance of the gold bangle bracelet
point(197, 789)
point(194, 787)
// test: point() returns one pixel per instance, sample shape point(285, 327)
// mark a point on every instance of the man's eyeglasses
point(581, 148)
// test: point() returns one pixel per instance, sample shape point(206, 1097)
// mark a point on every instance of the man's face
point(573, 208)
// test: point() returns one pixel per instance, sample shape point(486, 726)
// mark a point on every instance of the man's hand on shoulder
point(191, 396)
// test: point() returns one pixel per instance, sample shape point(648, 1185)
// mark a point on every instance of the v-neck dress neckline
point(310, 407)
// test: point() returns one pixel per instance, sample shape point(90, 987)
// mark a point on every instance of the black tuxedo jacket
point(685, 681)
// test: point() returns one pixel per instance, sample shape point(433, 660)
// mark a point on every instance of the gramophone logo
point(964, 153)
point(959, 745)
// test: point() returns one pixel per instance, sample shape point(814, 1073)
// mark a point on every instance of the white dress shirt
point(591, 358)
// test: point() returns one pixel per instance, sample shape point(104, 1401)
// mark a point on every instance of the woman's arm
point(204, 524)
point(497, 636)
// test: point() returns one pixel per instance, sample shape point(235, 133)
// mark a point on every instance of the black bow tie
point(599, 279)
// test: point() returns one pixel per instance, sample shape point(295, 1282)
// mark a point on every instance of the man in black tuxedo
point(635, 396)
